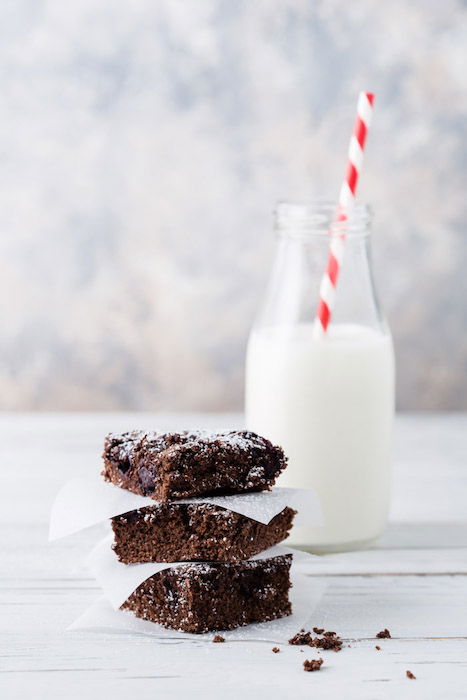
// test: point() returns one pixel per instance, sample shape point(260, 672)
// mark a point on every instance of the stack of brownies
point(220, 587)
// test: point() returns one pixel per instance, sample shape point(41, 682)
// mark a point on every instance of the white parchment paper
point(83, 502)
point(120, 580)
point(305, 595)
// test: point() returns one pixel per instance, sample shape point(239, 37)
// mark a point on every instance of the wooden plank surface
point(414, 581)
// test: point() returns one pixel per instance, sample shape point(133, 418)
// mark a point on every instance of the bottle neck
point(304, 220)
point(304, 236)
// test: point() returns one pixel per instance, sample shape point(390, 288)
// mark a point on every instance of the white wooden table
point(414, 582)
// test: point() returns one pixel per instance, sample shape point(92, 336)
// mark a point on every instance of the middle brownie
point(169, 532)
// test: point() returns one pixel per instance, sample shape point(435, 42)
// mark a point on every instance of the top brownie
point(167, 466)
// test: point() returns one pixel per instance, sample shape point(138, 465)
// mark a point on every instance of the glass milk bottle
point(329, 401)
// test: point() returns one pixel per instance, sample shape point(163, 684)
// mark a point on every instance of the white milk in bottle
point(329, 402)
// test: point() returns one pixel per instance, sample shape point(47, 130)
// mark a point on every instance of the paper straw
point(346, 202)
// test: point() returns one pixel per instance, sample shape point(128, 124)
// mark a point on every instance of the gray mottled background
point(142, 147)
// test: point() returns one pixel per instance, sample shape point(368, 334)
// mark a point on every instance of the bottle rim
point(321, 218)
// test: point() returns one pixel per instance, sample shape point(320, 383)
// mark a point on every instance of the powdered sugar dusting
point(133, 440)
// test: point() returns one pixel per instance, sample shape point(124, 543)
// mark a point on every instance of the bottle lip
point(320, 217)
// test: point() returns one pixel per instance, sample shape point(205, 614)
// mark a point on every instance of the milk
point(329, 403)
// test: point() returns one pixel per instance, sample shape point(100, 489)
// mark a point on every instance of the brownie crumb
point(276, 650)
point(301, 638)
point(334, 643)
point(218, 639)
point(384, 634)
point(329, 640)
point(378, 648)
point(312, 664)
point(318, 630)
point(409, 674)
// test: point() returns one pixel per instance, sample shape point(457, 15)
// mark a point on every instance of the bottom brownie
point(215, 596)
point(194, 532)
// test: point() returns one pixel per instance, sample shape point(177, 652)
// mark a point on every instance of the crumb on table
point(301, 638)
point(312, 664)
point(329, 640)
point(384, 634)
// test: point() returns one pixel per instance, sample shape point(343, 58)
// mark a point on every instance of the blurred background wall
point(143, 145)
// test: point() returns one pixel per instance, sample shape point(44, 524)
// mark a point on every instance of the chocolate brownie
point(208, 597)
point(167, 466)
point(194, 532)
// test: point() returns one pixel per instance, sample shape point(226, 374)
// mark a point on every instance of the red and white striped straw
point(327, 288)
